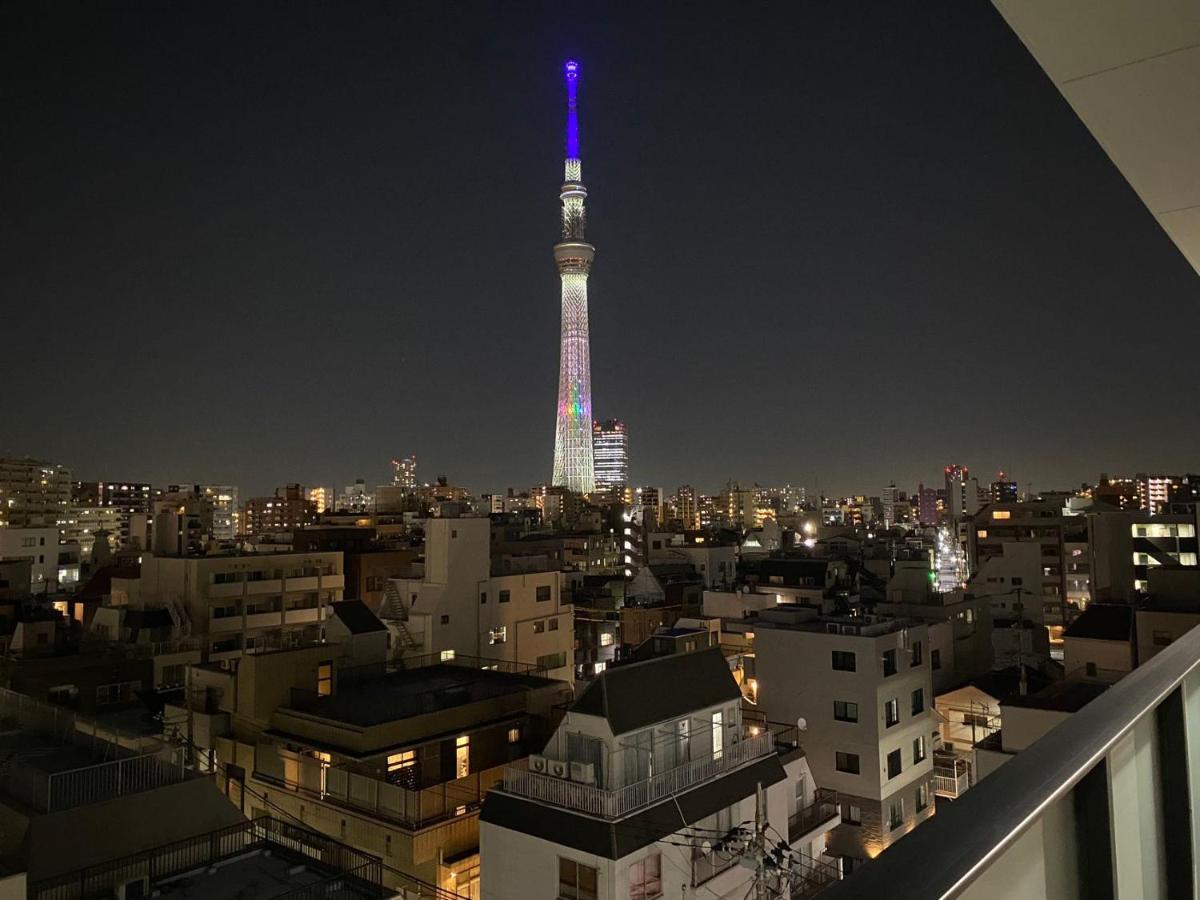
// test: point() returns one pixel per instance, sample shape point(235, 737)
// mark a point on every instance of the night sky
point(837, 244)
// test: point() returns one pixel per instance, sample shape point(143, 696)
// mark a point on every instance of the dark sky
point(837, 244)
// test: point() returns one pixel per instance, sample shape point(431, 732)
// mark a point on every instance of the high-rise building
point(889, 505)
point(610, 449)
point(404, 473)
point(134, 500)
point(958, 492)
point(288, 510)
point(33, 493)
point(1002, 490)
point(686, 506)
point(224, 499)
point(573, 461)
point(321, 498)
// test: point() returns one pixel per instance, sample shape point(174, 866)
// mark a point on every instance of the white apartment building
point(38, 547)
point(33, 493)
point(459, 606)
point(83, 522)
point(245, 602)
point(861, 692)
point(644, 792)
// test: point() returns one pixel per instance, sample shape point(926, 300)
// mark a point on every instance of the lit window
point(447, 655)
point(607, 638)
point(514, 735)
point(324, 679)
point(1001, 514)
point(462, 756)
point(981, 533)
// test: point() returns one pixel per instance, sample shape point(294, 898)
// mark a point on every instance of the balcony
point(622, 801)
point(302, 616)
point(951, 775)
point(1106, 804)
point(820, 815)
point(265, 586)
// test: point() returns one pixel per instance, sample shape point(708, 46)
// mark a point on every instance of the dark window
point(919, 750)
point(895, 814)
point(893, 764)
point(543, 593)
point(917, 654)
point(922, 796)
point(445, 620)
point(576, 881)
point(505, 596)
point(483, 597)
point(918, 701)
point(539, 626)
point(844, 711)
point(1162, 638)
point(851, 814)
point(889, 663)
point(552, 661)
point(846, 762)
point(935, 659)
point(843, 661)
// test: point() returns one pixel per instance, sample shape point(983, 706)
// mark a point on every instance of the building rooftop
point(1070, 695)
point(415, 692)
point(636, 695)
point(803, 618)
point(357, 617)
point(1103, 622)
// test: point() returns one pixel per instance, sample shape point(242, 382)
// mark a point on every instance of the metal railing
point(613, 804)
point(1076, 812)
point(824, 808)
point(104, 781)
point(352, 873)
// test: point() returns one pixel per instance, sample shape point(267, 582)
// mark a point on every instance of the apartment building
point(245, 602)
point(459, 606)
point(643, 792)
point(861, 692)
point(1126, 546)
point(288, 509)
point(33, 493)
point(37, 546)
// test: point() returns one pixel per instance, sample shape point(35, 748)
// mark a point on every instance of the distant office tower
point(927, 505)
point(404, 473)
point(321, 498)
point(610, 448)
point(573, 462)
point(686, 506)
point(957, 485)
point(888, 503)
point(1002, 490)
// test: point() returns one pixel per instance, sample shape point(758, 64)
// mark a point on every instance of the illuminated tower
point(573, 466)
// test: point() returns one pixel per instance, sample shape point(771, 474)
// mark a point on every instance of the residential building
point(33, 493)
point(83, 524)
point(355, 498)
point(394, 763)
point(459, 606)
point(134, 501)
point(1102, 638)
point(239, 603)
point(643, 792)
point(1126, 546)
point(37, 546)
point(289, 509)
point(404, 473)
point(861, 690)
point(224, 500)
point(321, 499)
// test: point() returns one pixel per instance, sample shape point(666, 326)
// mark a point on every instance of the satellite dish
point(802, 724)
point(706, 847)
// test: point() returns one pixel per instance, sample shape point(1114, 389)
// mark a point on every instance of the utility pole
point(760, 844)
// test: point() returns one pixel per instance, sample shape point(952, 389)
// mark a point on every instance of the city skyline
point(874, 259)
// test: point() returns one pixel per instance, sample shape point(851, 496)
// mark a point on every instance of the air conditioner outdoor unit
point(538, 763)
point(559, 769)
point(849, 629)
point(585, 773)
point(831, 627)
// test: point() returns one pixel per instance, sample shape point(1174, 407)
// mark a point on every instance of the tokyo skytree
point(573, 465)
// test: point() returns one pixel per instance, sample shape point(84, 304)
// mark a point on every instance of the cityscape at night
point(853, 553)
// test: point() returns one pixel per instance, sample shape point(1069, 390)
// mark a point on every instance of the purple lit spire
point(571, 70)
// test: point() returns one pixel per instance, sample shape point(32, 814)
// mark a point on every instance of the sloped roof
point(357, 618)
point(1103, 622)
point(644, 693)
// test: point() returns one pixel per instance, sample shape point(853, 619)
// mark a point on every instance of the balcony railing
point(619, 802)
point(824, 808)
point(951, 776)
point(354, 874)
point(1105, 804)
